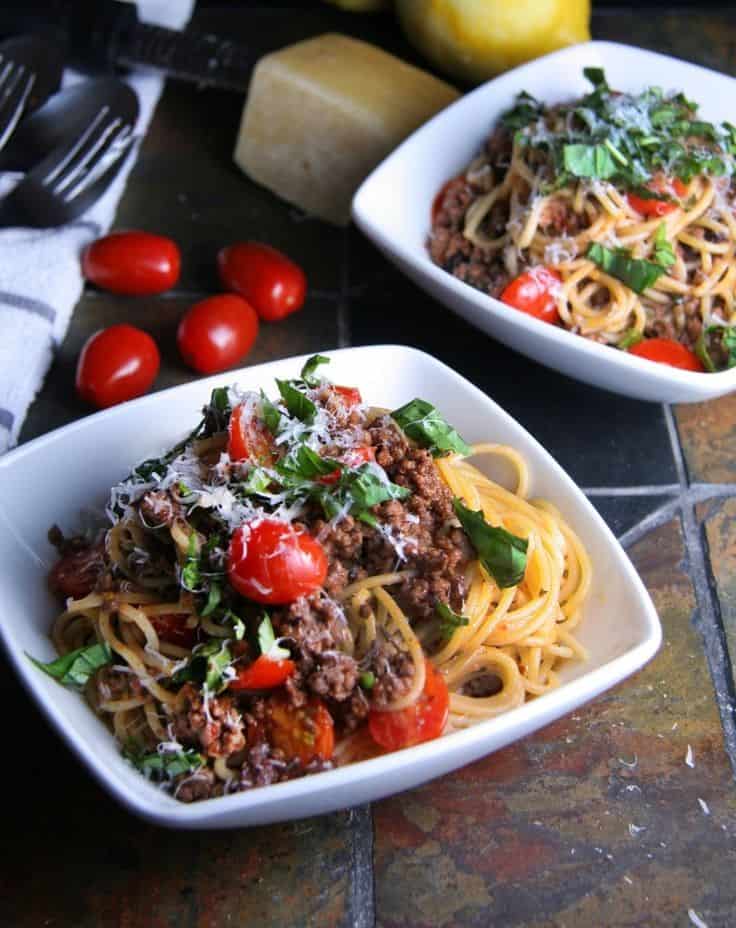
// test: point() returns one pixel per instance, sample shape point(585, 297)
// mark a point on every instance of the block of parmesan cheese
point(321, 114)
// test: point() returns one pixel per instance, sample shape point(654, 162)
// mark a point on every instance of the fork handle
point(103, 34)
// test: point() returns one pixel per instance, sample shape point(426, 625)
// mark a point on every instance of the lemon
point(476, 39)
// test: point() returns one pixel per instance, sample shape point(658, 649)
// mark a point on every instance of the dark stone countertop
point(594, 821)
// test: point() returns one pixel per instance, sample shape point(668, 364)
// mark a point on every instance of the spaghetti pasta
point(613, 216)
point(440, 599)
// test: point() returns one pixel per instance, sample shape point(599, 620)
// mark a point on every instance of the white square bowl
point(392, 207)
point(50, 480)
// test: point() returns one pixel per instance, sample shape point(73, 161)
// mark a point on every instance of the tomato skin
point(173, 628)
point(650, 208)
point(535, 292)
point(133, 263)
point(349, 395)
point(272, 283)
point(422, 721)
point(116, 364)
point(248, 438)
point(76, 573)
point(271, 562)
point(307, 733)
point(353, 458)
point(216, 333)
point(667, 351)
point(263, 674)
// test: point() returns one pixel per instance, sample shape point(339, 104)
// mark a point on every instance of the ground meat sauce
point(418, 536)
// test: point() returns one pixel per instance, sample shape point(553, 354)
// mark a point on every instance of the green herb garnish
point(664, 253)
point(268, 643)
point(636, 273)
point(367, 680)
point(297, 403)
point(207, 665)
point(75, 668)
point(167, 764)
point(501, 554)
point(308, 371)
point(190, 574)
point(421, 421)
point(449, 620)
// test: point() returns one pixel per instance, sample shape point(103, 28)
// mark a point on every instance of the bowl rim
point(367, 216)
point(217, 811)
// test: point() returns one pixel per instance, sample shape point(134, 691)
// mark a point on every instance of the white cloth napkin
point(40, 276)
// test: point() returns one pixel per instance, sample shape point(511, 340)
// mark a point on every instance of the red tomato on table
point(422, 721)
point(667, 351)
point(271, 562)
point(216, 333)
point(307, 733)
point(134, 263)
point(263, 674)
point(248, 438)
point(116, 364)
point(272, 283)
point(535, 292)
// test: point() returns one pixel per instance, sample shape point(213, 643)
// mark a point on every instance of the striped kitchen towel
point(40, 277)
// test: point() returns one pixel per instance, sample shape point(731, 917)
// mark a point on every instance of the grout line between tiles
point(707, 620)
point(361, 898)
point(664, 489)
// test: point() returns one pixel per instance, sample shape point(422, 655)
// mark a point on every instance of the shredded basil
point(190, 573)
point(268, 643)
point(256, 483)
point(270, 414)
point(367, 680)
point(213, 598)
point(629, 339)
point(636, 273)
point(208, 665)
point(526, 111)
point(664, 253)
point(728, 341)
point(297, 403)
point(367, 489)
point(237, 623)
point(308, 371)
point(305, 464)
point(501, 554)
point(75, 668)
point(449, 620)
point(590, 161)
point(421, 421)
point(166, 764)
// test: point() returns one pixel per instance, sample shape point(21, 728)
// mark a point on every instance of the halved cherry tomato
point(271, 562)
point(116, 364)
point(173, 628)
point(422, 721)
point(667, 351)
point(263, 674)
point(350, 395)
point(535, 292)
point(248, 438)
point(307, 732)
point(268, 280)
point(648, 207)
point(76, 573)
point(216, 332)
point(134, 263)
point(442, 193)
point(353, 458)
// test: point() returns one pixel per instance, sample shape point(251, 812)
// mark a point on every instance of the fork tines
point(16, 84)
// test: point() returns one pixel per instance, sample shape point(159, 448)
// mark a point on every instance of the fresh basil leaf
point(268, 643)
point(367, 680)
point(629, 339)
point(270, 414)
point(367, 489)
point(256, 483)
point(217, 412)
point(501, 554)
point(590, 161)
point(636, 273)
point(367, 517)
point(190, 573)
point(305, 464)
point(664, 253)
point(298, 405)
point(526, 111)
point(208, 665)
point(213, 598)
point(310, 367)
point(449, 620)
point(728, 341)
point(75, 668)
point(421, 421)
point(596, 76)
point(237, 624)
point(167, 764)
